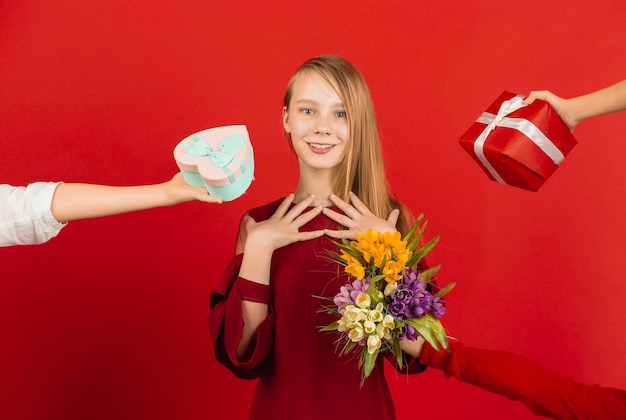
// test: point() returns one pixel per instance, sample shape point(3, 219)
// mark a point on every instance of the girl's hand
point(357, 218)
point(283, 227)
point(413, 348)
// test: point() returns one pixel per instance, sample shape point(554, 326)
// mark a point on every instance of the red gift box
point(517, 144)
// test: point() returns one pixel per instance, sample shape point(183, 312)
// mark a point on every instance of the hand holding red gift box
point(518, 144)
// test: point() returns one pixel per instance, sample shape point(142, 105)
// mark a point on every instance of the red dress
point(301, 375)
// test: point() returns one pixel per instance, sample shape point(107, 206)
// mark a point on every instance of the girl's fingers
point(345, 207)
point(305, 218)
point(340, 234)
point(299, 208)
point(342, 219)
point(393, 217)
point(358, 204)
point(306, 236)
point(284, 206)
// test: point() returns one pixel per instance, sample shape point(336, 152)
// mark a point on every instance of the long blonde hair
point(362, 170)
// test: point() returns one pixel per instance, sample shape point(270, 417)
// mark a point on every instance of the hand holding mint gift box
point(518, 144)
point(219, 158)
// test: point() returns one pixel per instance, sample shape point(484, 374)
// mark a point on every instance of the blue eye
point(341, 114)
point(307, 111)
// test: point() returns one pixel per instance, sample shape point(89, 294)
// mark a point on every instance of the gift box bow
point(221, 158)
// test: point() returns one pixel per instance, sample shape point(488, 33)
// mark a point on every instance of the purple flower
point(402, 294)
point(438, 307)
point(347, 294)
point(408, 332)
point(397, 309)
point(409, 275)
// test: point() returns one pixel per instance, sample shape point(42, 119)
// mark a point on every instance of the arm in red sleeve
point(226, 322)
point(544, 392)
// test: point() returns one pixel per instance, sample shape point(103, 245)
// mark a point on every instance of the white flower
point(356, 334)
point(373, 343)
point(390, 288)
point(376, 314)
point(369, 327)
point(342, 324)
point(389, 322)
point(354, 314)
point(383, 332)
point(363, 300)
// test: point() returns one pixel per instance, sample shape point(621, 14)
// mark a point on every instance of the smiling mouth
point(319, 146)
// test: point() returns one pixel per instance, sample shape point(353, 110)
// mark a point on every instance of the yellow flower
point(376, 247)
point(373, 343)
point(354, 266)
point(372, 246)
point(398, 246)
point(393, 271)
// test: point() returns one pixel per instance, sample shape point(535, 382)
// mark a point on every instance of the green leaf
point(444, 290)
point(431, 329)
point(408, 237)
point(352, 252)
point(349, 346)
point(427, 275)
point(374, 298)
point(331, 327)
point(423, 251)
point(397, 352)
point(370, 362)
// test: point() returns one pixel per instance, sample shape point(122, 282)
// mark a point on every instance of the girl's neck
point(318, 183)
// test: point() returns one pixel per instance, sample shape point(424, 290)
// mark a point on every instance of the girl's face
point(317, 122)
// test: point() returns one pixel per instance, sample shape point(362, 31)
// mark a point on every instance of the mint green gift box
point(219, 158)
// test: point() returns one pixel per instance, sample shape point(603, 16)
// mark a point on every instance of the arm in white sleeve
point(25, 215)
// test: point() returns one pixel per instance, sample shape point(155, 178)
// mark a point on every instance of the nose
point(323, 125)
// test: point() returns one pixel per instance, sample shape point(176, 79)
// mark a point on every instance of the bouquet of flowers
point(388, 298)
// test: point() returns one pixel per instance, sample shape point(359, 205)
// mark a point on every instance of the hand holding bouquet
point(388, 298)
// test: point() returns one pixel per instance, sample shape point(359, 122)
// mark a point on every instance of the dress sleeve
point(226, 322)
point(544, 392)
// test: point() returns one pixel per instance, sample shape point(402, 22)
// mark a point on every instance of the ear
point(286, 120)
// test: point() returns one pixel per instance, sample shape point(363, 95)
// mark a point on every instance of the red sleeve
point(226, 322)
point(544, 392)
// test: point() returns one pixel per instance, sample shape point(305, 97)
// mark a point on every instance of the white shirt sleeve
point(25, 215)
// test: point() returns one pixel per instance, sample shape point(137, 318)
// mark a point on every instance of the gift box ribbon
point(219, 158)
point(526, 127)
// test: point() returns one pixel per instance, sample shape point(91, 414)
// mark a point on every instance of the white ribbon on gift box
point(526, 127)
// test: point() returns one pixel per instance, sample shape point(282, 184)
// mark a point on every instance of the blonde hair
point(362, 170)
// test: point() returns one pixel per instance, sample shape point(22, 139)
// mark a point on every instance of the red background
point(108, 319)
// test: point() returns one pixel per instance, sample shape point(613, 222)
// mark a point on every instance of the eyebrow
point(311, 101)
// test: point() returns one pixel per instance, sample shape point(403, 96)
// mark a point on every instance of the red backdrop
point(108, 319)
